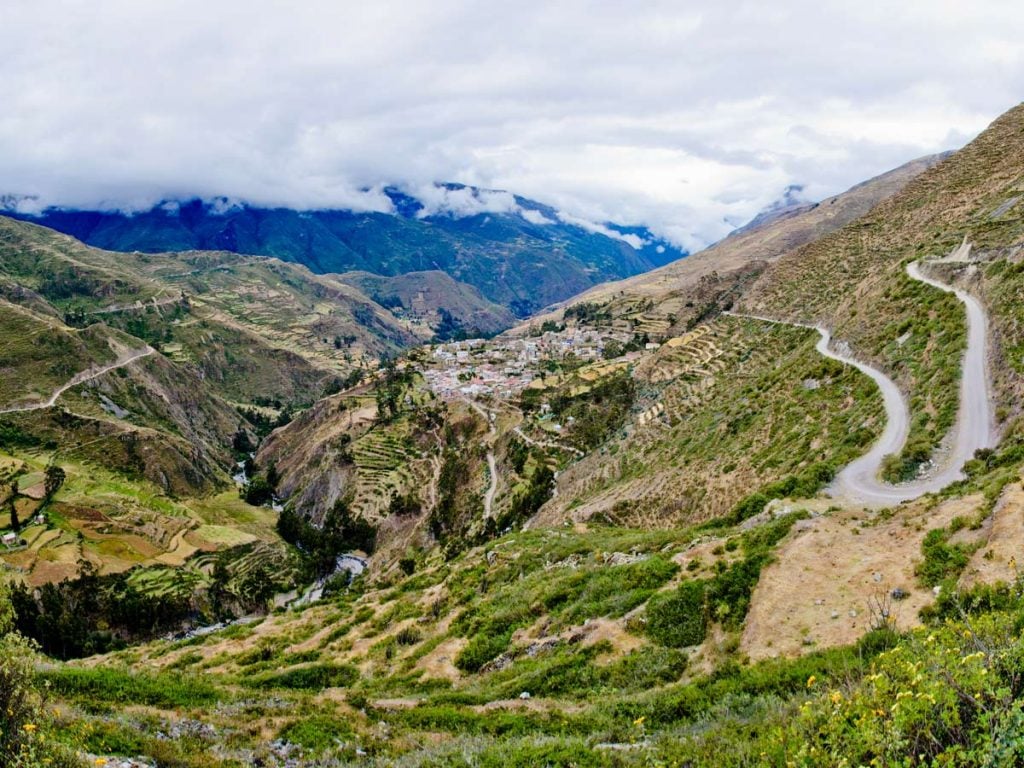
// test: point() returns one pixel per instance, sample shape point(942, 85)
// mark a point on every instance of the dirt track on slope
point(858, 482)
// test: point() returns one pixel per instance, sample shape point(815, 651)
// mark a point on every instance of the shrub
point(942, 560)
point(679, 618)
point(408, 635)
point(26, 733)
point(645, 668)
point(316, 733)
point(943, 696)
point(482, 648)
point(315, 677)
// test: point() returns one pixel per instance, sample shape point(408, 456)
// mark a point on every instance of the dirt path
point(492, 467)
point(859, 482)
point(492, 464)
point(137, 305)
point(548, 443)
point(82, 376)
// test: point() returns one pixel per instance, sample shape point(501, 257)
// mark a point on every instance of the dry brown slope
point(765, 242)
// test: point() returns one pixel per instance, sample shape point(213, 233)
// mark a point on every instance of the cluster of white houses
point(505, 366)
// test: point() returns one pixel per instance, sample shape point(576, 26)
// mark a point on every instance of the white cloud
point(686, 117)
point(463, 201)
point(634, 241)
point(535, 217)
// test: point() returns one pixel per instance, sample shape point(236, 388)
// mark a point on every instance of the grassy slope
point(566, 615)
point(576, 601)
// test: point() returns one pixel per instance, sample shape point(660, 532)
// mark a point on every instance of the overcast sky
point(685, 116)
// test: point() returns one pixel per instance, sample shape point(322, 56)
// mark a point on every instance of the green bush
point(316, 733)
point(678, 618)
point(315, 677)
point(481, 649)
point(644, 668)
point(26, 729)
point(943, 696)
point(942, 560)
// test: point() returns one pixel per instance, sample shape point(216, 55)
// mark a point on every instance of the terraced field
point(725, 409)
point(115, 525)
point(383, 469)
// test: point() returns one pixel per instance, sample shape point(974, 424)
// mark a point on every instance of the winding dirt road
point(82, 376)
point(858, 482)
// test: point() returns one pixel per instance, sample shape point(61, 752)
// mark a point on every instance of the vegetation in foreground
point(948, 693)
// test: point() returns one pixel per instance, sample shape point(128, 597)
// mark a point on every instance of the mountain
point(659, 294)
point(516, 252)
point(433, 298)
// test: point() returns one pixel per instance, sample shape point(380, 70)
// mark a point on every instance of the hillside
point(144, 379)
point(517, 253)
point(853, 280)
point(436, 300)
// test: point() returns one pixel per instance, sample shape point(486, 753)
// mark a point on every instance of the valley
point(710, 514)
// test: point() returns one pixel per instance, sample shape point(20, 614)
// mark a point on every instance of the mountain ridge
point(516, 252)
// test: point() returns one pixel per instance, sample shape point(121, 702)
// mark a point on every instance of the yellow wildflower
point(29, 727)
point(639, 721)
point(811, 680)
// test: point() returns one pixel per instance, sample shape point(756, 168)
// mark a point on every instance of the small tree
point(53, 480)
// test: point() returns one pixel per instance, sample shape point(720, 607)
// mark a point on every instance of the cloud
point(689, 118)
point(459, 202)
point(535, 217)
point(634, 241)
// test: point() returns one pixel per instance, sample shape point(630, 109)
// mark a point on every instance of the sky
point(688, 117)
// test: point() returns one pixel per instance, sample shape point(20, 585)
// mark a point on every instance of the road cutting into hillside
point(80, 378)
point(858, 482)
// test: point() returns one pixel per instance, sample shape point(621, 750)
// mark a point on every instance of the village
point(504, 366)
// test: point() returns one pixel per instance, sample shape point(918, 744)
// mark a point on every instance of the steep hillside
point(604, 646)
point(515, 252)
point(436, 300)
point(854, 281)
point(138, 382)
point(216, 312)
point(660, 295)
point(721, 411)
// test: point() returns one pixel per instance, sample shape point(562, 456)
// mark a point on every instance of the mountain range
point(515, 252)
